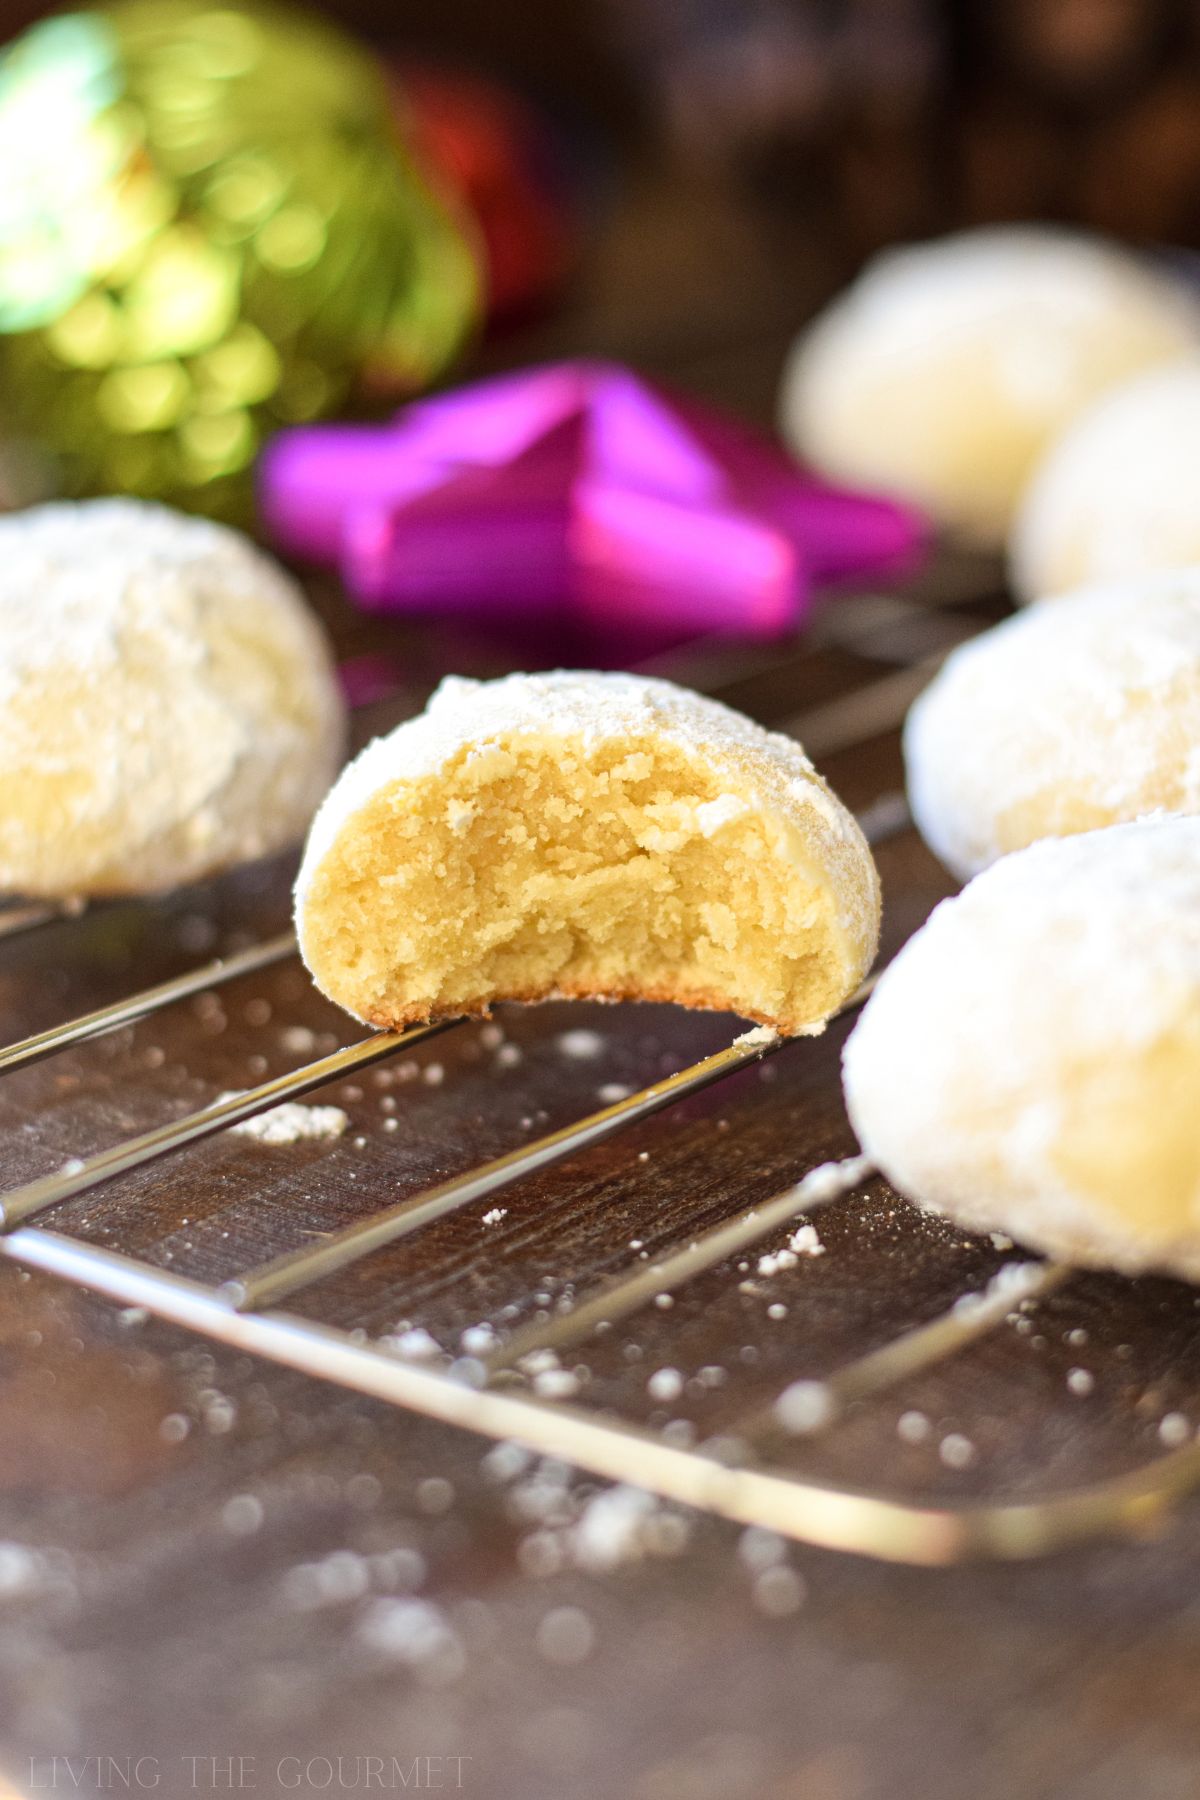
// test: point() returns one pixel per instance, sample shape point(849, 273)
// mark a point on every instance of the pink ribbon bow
point(577, 490)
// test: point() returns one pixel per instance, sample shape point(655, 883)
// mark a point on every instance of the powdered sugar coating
point(1083, 711)
point(167, 703)
point(766, 771)
point(1118, 493)
point(948, 367)
point(1029, 1062)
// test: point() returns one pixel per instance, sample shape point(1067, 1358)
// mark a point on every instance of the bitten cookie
point(1081, 712)
point(168, 706)
point(590, 836)
point(1030, 1061)
point(942, 375)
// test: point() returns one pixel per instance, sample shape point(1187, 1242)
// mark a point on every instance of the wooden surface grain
point(202, 1555)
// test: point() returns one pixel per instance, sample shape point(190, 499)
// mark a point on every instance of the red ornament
point(502, 164)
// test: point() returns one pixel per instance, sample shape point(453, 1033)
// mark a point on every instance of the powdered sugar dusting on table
point(291, 1123)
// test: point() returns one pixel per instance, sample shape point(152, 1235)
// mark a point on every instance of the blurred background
point(827, 127)
point(218, 222)
point(677, 183)
point(884, 117)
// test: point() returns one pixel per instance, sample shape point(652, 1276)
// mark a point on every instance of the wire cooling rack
point(747, 1473)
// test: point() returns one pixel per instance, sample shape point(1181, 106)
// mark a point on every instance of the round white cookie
point(1118, 494)
point(585, 835)
point(1030, 1061)
point(943, 373)
point(168, 706)
point(1080, 712)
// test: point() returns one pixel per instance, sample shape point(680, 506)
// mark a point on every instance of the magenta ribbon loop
point(577, 490)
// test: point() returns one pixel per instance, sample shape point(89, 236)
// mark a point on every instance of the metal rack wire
point(243, 1310)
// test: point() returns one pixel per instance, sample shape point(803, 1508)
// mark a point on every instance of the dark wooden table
point(199, 1550)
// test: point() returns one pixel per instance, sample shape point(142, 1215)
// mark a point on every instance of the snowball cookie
point(947, 368)
point(1119, 492)
point(167, 703)
point(1031, 1060)
point(1083, 711)
point(588, 836)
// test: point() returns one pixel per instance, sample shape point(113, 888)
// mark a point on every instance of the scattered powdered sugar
point(827, 1182)
point(623, 1525)
point(400, 1567)
point(913, 1427)
point(582, 1045)
point(665, 1384)
point(759, 1548)
point(957, 1451)
point(1014, 1284)
point(595, 1532)
point(435, 1495)
point(336, 1579)
point(805, 1407)
point(543, 1495)
point(556, 1384)
point(416, 1633)
point(291, 1123)
point(494, 1215)
point(803, 1242)
point(776, 1588)
point(217, 1410)
point(1174, 1429)
point(775, 1260)
point(242, 1515)
point(220, 1413)
point(415, 1344)
point(400, 1628)
point(778, 1591)
point(505, 1461)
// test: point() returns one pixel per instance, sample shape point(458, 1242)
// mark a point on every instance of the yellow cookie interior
point(550, 866)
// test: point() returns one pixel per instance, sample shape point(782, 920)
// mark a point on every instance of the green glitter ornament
point(207, 230)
